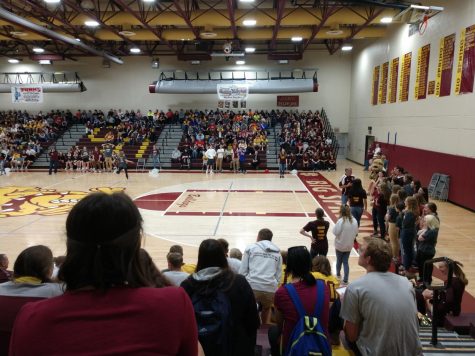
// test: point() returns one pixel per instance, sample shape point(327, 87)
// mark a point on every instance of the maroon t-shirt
point(318, 229)
point(121, 321)
point(308, 298)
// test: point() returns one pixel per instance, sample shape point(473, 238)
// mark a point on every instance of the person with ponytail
point(111, 304)
point(345, 231)
point(450, 302)
point(299, 265)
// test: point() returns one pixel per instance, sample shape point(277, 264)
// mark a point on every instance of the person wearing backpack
point(225, 308)
point(303, 299)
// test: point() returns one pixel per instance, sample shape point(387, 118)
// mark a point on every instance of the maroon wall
point(422, 164)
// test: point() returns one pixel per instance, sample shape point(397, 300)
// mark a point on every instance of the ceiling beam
point(232, 17)
point(327, 12)
point(373, 13)
point(12, 18)
point(280, 15)
point(156, 32)
point(186, 17)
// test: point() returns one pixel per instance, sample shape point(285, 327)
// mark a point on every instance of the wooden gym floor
point(187, 207)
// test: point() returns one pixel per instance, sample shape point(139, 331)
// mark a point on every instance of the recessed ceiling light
point(13, 61)
point(249, 22)
point(44, 61)
point(246, 0)
point(250, 49)
point(135, 50)
point(18, 33)
point(240, 63)
point(91, 23)
point(38, 50)
point(148, 0)
point(296, 39)
point(386, 20)
point(52, 1)
point(347, 47)
point(127, 33)
point(78, 39)
point(283, 61)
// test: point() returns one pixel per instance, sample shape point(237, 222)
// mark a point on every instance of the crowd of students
point(23, 136)
point(304, 143)
point(112, 297)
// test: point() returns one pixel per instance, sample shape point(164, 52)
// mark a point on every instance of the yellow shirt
point(188, 268)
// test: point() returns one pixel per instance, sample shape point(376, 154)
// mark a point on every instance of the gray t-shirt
point(176, 277)
point(383, 306)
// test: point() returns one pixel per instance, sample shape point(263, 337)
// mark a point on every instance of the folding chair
point(141, 163)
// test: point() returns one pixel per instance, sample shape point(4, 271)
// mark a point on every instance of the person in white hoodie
point(262, 266)
point(345, 231)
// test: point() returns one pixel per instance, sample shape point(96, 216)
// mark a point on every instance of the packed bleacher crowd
point(24, 136)
point(107, 294)
point(214, 137)
point(307, 145)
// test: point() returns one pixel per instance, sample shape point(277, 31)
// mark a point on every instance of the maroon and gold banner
point(431, 88)
point(287, 100)
point(383, 86)
point(422, 72)
point(374, 89)
point(443, 80)
point(405, 77)
point(466, 61)
point(393, 80)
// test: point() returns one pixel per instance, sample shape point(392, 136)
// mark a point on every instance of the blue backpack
point(213, 318)
point(308, 336)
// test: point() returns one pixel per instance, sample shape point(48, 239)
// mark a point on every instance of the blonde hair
point(431, 222)
point(393, 200)
point(345, 213)
point(411, 205)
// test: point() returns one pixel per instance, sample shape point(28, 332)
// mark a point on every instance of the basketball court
point(185, 207)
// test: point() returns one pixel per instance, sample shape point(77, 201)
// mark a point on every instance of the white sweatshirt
point(262, 266)
point(345, 233)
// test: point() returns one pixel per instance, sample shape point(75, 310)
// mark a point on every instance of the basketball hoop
point(423, 24)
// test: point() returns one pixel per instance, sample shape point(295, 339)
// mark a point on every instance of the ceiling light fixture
point(52, 1)
point(250, 49)
point(249, 22)
point(283, 61)
point(296, 39)
point(148, 0)
point(44, 61)
point(246, 0)
point(91, 23)
point(13, 61)
point(135, 50)
point(386, 20)
point(127, 33)
point(78, 39)
point(240, 63)
point(38, 50)
point(346, 47)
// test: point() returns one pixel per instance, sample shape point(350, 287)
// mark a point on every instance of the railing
point(327, 127)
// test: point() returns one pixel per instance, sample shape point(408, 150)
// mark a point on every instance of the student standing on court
point(345, 183)
point(318, 229)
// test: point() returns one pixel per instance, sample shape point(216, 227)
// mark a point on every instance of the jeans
point(407, 250)
point(344, 199)
point(53, 164)
point(282, 168)
point(357, 212)
point(342, 257)
point(156, 161)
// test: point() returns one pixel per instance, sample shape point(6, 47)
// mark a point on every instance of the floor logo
point(22, 201)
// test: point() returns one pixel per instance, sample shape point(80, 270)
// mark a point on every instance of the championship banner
point(443, 80)
point(393, 80)
point(383, 85)
point(466, 61)
point(288, 100)
point(420, 89)
point(27, 94)
point(232, 91)
point(405, 77)
point(374, 89)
